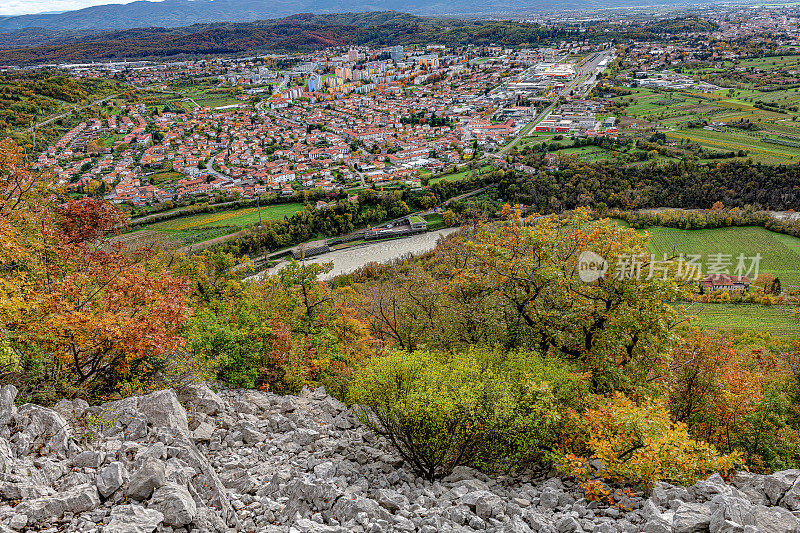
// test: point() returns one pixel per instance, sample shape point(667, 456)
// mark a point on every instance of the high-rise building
point(314, 82)
point(352, 55)
point(397, 53)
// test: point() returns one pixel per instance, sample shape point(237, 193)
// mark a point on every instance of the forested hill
point(304, 32)
point(176, 13)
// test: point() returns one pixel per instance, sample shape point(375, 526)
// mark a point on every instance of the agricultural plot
point(461, 175)
point(193, 229)
point(756, 149)
point(237, 217)
point(169, 176)
point(590, 153)
point(773, 113)
point(780, 254)
point(777, 319)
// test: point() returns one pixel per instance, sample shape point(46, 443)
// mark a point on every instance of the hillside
point(304, 32)
point(254, 461)
point(175, 13)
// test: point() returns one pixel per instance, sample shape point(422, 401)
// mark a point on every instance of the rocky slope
point(251, 461)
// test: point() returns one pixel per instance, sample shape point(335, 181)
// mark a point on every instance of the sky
point(24, 7)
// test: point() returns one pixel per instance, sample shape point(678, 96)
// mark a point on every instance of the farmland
point(205, 226)
point(780, 254)
point(771, 135)
point(746, 318)
point(461, 175)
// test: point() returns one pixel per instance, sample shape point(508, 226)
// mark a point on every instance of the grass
point(220, 101)
point(755, 148)
point(591, 153)
point(435, 221)
point(777, 319)
point(780, 254)
point(235, 217)
point(168, 176)
point(459, 175)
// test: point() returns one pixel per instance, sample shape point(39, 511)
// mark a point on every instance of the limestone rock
point(692, 518)
point(202, 399)
point(162, 409)
point(151, 476)
point(111, 478)
point(175, 503)
point(8, 393)
point(776, 485)
point(76, 500)
point(133, 519)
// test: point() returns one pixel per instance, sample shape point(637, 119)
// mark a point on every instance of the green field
point(777, 319)
point(460, 175)
point(167, 176)
point(236, 217)
point(780, 254)
point(672, 111)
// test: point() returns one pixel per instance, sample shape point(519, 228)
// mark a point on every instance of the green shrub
point(480, 408)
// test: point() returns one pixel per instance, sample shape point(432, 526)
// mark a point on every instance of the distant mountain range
point(308, 32)
point(304, 32)
point(176, 13)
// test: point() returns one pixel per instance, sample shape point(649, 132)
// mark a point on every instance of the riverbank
point(352, 258)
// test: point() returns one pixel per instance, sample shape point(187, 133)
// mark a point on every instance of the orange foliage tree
point(76, 308)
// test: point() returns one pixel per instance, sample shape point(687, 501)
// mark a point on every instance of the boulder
point(706, 490)
point(752, 486)
point(202, 399)
point(45, 429)
point(151, 476)
point(347, 508)
point(133, 519)
point(76, 500)
point(162, 409)
point(730, 514)
point(175, 503)
point(203, 432)
point(692, 518)
point(776, 485)
point(489, 506)
point(391, 499)
point(791, 500)
point(774, 520)
point(549, 498)
point(8, 393)
point(663, 493)
point(568, 524)
point(88, 459)
point(111, 478)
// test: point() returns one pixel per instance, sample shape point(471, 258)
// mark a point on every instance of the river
point(351, 259)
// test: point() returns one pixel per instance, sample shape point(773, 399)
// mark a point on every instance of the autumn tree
point(80, 312)
point(617, 325)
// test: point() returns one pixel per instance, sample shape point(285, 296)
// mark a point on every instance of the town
point(366, 117)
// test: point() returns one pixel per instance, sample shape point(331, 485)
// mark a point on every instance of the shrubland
point(490, 351)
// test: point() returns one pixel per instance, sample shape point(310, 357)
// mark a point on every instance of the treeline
point(680, 185)
point(299, 33)
point(343, 216)
point(338, 218)
point(706, 219)
point(223, 205)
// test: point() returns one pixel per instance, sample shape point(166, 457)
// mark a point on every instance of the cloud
point(23, 7)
